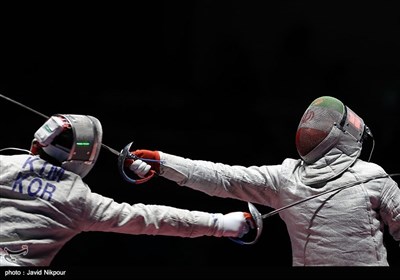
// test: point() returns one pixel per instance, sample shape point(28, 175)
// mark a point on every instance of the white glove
point(233, 225)
point(140, 168)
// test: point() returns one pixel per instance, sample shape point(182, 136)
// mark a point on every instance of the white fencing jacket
point(43, 206)
point(342, 228)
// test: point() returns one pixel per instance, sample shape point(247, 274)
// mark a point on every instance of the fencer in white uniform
point(44, 202)
point(340, 228)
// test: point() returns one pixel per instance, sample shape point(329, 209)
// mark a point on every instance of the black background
point(225, 81)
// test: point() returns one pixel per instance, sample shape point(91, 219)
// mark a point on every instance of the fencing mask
point(326, 123)
point(72, 140)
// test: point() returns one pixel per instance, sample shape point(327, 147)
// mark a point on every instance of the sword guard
point(123, 155)
point(259, 226)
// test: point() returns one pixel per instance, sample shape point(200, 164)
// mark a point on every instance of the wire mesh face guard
point(322, 126)
point(82, 151)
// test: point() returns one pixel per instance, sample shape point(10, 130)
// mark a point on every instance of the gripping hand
point(145, 162)
point(235, 224)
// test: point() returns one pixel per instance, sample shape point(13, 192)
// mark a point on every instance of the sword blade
point(22, 105)
point(115, 152)
point(351, 184)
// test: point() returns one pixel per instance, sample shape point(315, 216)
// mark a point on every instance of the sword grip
point(125, 153)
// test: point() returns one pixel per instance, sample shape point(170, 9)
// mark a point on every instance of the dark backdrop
point(224, 81)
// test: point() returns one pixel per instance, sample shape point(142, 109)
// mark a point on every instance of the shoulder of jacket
point(368, 168)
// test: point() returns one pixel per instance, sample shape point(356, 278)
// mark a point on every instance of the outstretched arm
point(104, 214)
point(252, 184)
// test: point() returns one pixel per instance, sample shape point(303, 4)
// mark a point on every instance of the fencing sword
point(258, 217)
point(122, 156)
